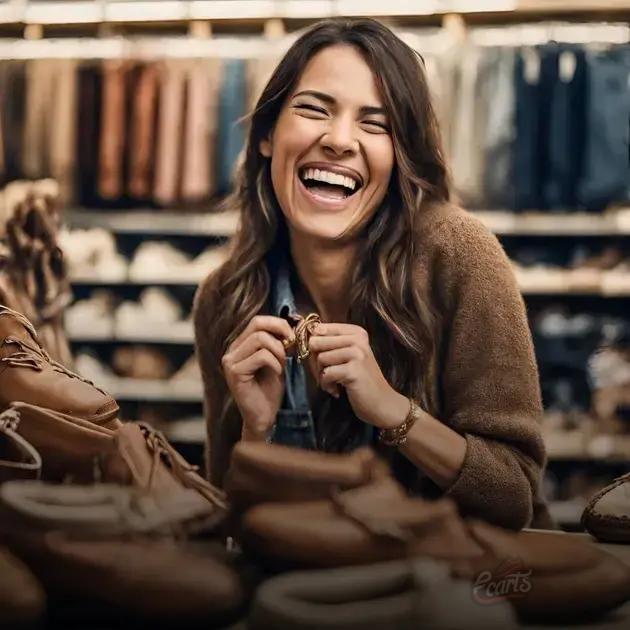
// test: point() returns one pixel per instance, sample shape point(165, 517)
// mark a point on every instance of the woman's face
point(331, 149)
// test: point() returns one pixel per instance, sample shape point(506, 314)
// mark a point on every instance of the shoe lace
point(162, 451)
point(34, 356)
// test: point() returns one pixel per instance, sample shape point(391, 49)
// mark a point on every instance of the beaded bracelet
point(398, 435)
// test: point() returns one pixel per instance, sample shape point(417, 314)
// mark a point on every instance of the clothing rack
point(427, 41)
point(588, 34)
point(114, 12)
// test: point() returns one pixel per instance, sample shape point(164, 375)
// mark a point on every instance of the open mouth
point(327, 184)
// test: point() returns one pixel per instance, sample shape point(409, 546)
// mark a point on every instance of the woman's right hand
point(254, 370)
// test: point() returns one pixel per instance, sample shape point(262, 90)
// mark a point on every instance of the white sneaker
point(158, 261)
point(209, 260)
point(92, 317)
point(156, 313)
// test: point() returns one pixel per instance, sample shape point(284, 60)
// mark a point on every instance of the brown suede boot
point(28, 374)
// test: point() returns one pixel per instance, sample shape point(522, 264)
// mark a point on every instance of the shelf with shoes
point(125, 389)
point(155, 223)
point(149, 281)
point(504, 223)
point(527, 287)
point(167, 337)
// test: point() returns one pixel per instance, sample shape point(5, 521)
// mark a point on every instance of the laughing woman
point(423, 349)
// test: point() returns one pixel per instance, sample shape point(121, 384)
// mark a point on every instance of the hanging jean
point(568, 126)
point(231, 134)
point(529, 142)
point(606, 176)
point(500, 133)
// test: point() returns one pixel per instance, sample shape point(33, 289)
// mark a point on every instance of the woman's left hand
point(343, 356)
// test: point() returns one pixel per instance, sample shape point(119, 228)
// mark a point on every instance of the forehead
point(342, 72)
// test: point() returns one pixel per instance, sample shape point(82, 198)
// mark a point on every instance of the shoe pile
point(296, 509)
point(33, 276)
point(77, 483)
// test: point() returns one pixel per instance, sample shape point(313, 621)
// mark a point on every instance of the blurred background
point(118, 125)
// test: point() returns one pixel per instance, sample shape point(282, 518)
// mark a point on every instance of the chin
point(326, 228)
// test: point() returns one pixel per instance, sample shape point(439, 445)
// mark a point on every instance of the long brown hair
point(385, 299)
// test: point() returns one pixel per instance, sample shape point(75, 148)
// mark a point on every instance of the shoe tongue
point(333, 191)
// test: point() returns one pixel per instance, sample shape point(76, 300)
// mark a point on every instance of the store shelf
point(62, 12)
point(529, 289)
point(568, 291)
point(188, 431)
point(131, 390)
point(502, 223)
point(168, 338)
point(156, 222)
point(166, 282)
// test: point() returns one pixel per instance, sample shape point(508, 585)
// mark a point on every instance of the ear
point(266, 147)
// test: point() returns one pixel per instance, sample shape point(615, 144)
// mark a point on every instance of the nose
point(340, 139)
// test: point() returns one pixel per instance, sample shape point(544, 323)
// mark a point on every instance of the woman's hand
point(254, 370)
point(342, 356)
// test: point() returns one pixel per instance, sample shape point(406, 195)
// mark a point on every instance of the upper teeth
point(329, 177)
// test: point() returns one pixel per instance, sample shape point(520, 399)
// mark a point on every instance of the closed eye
point(313, 108)
point(376, 123)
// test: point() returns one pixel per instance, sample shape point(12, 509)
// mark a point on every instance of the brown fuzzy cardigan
point(489, 380)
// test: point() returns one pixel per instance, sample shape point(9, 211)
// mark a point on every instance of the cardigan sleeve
point(490, 390)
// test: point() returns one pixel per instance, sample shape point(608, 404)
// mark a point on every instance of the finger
point(332, 377)
point(257, 340)
point(338, 356)
point(339, 329)
point(260, 359)
point(323, 344)
point(274, 325)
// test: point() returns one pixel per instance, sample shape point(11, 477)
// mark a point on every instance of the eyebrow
point(327, 98)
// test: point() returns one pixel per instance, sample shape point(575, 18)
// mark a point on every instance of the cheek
point(293, 136)
point(381, 162)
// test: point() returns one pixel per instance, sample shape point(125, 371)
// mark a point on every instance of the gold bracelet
point(398, 435)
